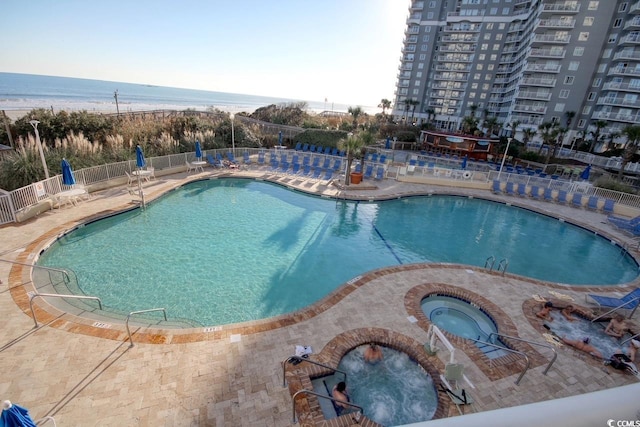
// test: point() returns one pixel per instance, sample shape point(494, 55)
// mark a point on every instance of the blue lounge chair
point(298, 146)
point(274, 166)
point(608, 206)
point(245, 158)
point(358, 168)
point(283, 157)
point(495, 188)
point(306, 160)
point(295, 169)
point(623, 223)
point(316, 163)
point(327, 162)
point(261, 158)
point(522, 190)
point(627, 302)
point(374, 157)
point(337, 165)
point(562, 197)
point(511, 189)
point(379, 174)
point(383, 158)
point(576, 200)
point(284, 167)
point(342, 153)
point(327, 150)
point(295, 159)
point(305, 147)
point(231, 157)
point(306, 170)
point(334, 152)
point(535, 192)
point(312, 148)
point(328, 174)
point(592, 203)
point(319, 149)
point(212, 161)
point(367, 172)
point(548, 195)
point(316, 173)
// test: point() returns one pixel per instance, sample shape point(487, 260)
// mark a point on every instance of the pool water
point(232, 250)
point(464, 320)
point(393, 391)
point(582, 328)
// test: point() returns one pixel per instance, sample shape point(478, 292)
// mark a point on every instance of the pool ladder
point(502, 265)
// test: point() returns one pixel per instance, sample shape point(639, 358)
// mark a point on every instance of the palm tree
point(353, 144)
point(632, 132)
point(490, 123)
point(514, 127)
point(355, 113)
point(612, 136)
point(596, 134)
point(527, 135)
point(413, 103)
point(548, 133)
point(569, 115)
point(384, 104)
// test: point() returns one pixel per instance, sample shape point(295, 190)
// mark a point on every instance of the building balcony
point(458, 48)
point(419, 5)
point(635, 8)
point(624, 71)
point(449, 85)
point(557, 23)
point(459, 68)
point(538, 96)
point(627, 54)
point(533, 109)
point(531, 81)
point(618, 102)
point(454, 58)
point(542, 68)
point(551, 38)
point(403, 84)
point(623, 87)
point(547, 53)
point(451, 76)
point(630, 39)
point(633, 24)
point(554, 8)
point(618, 117)
point(527, 120)
point(460, 38)
point(409, 49)
point(403, 76)
point(455, 28)
point(406, 66)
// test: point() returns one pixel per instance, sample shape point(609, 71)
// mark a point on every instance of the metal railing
point(313, 393)
point(49, 270)
point(510, 350)
point(138, 312)
point(503, 264)
point(621, 306)
point(545, 345)
point(36, 294)
point(489, 262)
point(313, 362)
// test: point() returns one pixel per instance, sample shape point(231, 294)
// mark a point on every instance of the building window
point(623, 7)
point(583, 36)
point(581, 123)
point(474, 85)
point(490, 26)
point(485, 86)
point(501, 26)
point(427, 30)
point(564, 93)
point(596, 82)
point(606, 53)
point(490, 67)
point(479, 66)
point(423, 57)
point(588, 21)
point(481, 57)
point(430, 15)
point(418, 74)
point(484, 46)
point(432, 4)
point(494, 57)
point(483, 95)
point(559, 107)
point(578, 51)
point(420, 66)
point(586, 109)
point(617, 23)
point(416, 91)
point(568, 80)
point(602, 68)
point(496, 46)
point(505, 10)
point(425, 38)
point(612, 38)
point(424, 47)
point(593, 5)
point(476, 76)
point(591, 96)
point(472, 94)
point(493, 11)
point(488, 77)
point(498, 36)
point(573, 65)
point(487, 36)
point(416, 83)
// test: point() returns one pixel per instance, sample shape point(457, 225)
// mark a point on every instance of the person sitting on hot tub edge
point(339, 392)
point(373, 354)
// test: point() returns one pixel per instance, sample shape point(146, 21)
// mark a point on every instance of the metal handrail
point(318, 395)
point(138, 312)
point(629, 339)
point(48, 269)
point(302, 359)
point(555, 353)
point(36, 294)
point(504, 263)
point(511, 351)
point(618, 307)
point(493, 261)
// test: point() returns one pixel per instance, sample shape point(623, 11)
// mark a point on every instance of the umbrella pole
point(140, 192)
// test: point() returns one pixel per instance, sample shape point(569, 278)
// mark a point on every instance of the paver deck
point(84, 375)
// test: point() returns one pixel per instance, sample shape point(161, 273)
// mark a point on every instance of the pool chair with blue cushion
point(628, 302)
point(383, 158)
point(379, 174)
point(328, 174)
point(495, 189)
point(306, 170)
point(327, 162)
point(245, 158)
point(576, 200)
point(511, 189)
point(337, 165)
point(535, 192)
point(358, 168)
point(305, 147)
point(623, 223)
point(334, 151)
point(316, 173)
point(548, 195)
point(608, 206)
point(592, 203)
point(562, 197)
point(367, 172)
point(316, 162)
point(522, 190)
point(212, 161)
point(298, 146)
point(261, 158)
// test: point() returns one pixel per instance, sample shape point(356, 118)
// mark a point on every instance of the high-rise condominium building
point(524, 61)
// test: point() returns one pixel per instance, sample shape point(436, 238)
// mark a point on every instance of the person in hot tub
point(373, 354)
point(583, 345)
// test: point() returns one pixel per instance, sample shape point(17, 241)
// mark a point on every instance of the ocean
point(24, 92)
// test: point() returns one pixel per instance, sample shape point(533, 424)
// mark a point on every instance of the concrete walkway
point(232, 377)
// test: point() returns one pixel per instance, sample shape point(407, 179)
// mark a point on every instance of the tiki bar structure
point(453, 144)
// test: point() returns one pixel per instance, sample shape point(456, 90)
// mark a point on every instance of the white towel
point(302, 350)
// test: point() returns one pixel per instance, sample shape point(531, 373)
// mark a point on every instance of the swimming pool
point(464, 320)
point(394, 391)
point(222, 251)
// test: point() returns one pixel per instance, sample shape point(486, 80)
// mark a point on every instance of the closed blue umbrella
point(464, 163)
point(140, 158)
point(585, 173)
point(15, 416)
point(280, 138)
point(67, 173)
point(198, 150)
point(387, 144)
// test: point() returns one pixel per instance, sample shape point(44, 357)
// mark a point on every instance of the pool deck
point(85, 375)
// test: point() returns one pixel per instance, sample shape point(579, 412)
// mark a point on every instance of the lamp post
point(35, 124)
point(233, 136)
point(504, 157)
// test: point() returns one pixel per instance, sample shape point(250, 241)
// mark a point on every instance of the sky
point(344, 51)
